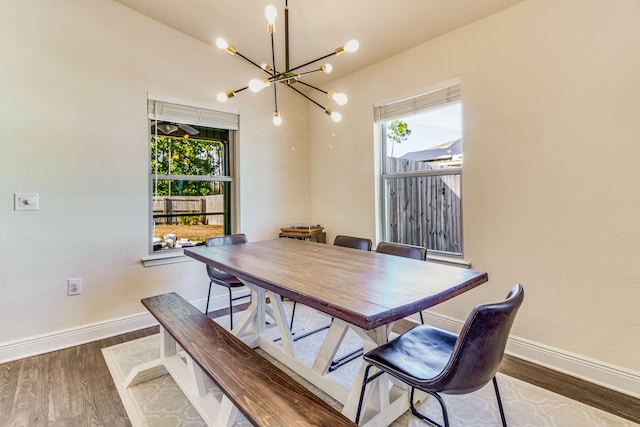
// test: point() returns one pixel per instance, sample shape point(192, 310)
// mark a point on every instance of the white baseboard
point(594, 371)
point(45, 343)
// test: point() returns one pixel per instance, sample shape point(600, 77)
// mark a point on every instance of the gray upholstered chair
point(436, 361)
point(221, 278)
point(406, 251)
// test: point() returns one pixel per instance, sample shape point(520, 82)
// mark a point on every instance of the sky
point(430, 129)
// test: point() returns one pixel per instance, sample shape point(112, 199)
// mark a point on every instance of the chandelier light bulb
point(223, 96)
point(351, 46)
point(221, 43)
point(271, 13)
point(326, 68)
point(277, 120)
point(256, 85)
point(335, 116)
point(339, 97)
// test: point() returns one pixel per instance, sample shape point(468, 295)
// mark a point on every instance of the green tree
point(397, 132)
point(186, 156)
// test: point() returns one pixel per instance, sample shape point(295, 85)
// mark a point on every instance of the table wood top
point(366, 289)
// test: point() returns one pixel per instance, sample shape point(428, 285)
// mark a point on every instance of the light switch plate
point(25, 201)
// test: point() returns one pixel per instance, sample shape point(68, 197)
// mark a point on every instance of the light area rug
point(161, 403)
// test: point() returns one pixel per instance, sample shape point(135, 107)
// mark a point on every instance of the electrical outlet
point(74, 286)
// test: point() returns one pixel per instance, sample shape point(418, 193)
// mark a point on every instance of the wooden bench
point(250, 383)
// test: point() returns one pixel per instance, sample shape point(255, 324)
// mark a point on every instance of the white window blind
point(166, 111)
point(417, 104)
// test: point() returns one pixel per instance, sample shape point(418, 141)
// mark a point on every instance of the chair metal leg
point(308, 333)
point(293, 313)
point(364, 386)
point(230, 309)
point(421, 317)
point(336, 363)
point(206, 310)
point(495, 387)
point(415, 412)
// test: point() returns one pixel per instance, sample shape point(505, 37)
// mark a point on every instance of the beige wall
point(74, 78)
point(551, 102)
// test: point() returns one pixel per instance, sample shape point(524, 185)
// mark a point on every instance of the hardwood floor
point(73, 387)
point(591, 394)
point(66, 388)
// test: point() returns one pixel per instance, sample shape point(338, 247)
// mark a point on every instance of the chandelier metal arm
point(286, 36)
point(313, 87)
point(233, 92)
point(315, 60)
point(253, 63)
point(308, 98)
point(286, 78)
point(273, 61)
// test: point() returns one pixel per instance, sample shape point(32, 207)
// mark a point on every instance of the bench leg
point(227, 413)
point(196, 378)
point(189, 377)
point(145, 372)
point(168, 346)
point(155, 368)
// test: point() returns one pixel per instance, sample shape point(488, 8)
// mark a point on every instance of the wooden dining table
point(360, 290)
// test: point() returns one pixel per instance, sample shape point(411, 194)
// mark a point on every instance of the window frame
point(397, 108)
point(192, 114)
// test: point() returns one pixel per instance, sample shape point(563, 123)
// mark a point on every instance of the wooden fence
point(425, 210)
point(169, 209)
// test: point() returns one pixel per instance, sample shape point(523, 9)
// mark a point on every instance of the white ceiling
point(317, 27)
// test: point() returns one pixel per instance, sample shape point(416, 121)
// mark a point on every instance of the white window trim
point(177, 255)
point(382, 229)
point(170, 257)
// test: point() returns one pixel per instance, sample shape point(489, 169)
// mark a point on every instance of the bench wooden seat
point(266, 395)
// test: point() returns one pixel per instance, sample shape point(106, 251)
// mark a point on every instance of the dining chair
point(406, 251)
point(222, 278)
point(436, 361)
point(353, 242)
point(403, 250)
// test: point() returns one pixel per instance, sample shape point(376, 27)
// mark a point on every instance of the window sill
point(449, 260)
point(173, 257)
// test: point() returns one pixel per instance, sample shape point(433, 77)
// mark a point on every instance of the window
point(190, 173)
point(421, 143)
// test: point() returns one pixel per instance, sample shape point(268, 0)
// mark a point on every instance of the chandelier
point(287, 76)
